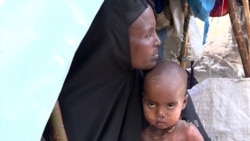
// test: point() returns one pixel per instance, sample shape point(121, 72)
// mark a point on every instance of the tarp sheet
point(223, 105)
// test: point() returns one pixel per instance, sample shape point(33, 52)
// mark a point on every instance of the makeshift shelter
point(221, 95)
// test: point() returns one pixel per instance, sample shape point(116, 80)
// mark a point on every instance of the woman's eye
point(151, 105)
point(149, 35)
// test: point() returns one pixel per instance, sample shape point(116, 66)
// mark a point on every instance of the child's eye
point(151, 105)
point(170, 106)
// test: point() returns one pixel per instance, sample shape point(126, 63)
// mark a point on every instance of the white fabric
point(38, 39)
point(195, 47)
point(223, 106)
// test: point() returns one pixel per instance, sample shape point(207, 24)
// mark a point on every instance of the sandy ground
point(220, 57)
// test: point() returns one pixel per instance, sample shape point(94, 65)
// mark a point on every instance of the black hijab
point(101, 96)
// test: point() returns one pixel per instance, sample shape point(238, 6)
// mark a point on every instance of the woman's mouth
point(155, 56)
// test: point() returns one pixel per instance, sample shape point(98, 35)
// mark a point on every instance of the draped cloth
point(201, 10)
point(100, 98)
point(220, 8)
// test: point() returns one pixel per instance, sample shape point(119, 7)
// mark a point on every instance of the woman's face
point(144, 41)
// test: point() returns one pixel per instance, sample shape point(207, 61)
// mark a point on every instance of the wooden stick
point(57, 126)
point(239, 37)
point(183, 55)
point(247, 20)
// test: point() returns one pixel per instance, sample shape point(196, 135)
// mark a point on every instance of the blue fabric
point(206, 27)
point(159, 6)
point(201, 8)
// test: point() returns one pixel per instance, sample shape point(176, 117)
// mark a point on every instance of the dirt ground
point(220, 57)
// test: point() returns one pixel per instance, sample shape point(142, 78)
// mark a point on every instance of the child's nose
point(161, 113)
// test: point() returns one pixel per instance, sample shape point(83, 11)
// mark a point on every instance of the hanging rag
point(220, 8)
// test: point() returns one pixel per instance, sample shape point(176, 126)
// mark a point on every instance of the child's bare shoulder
point(191, 131)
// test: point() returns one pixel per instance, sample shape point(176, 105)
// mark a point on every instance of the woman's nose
point(157, 42)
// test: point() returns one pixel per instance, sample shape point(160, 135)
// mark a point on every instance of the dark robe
point(101, 96)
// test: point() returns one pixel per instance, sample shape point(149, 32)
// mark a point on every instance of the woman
point(100, 99)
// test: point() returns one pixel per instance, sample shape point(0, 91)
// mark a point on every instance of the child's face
point(163, 102)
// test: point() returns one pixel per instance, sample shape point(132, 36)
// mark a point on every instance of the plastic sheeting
point(38, 39)
point(195, 46)
point(202, 9)
point(223, 106)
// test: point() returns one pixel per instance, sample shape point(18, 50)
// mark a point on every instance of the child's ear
point(185, 101)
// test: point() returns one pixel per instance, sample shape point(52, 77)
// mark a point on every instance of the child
point(164, 97)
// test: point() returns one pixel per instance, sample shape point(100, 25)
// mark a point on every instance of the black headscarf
point(101, 96)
